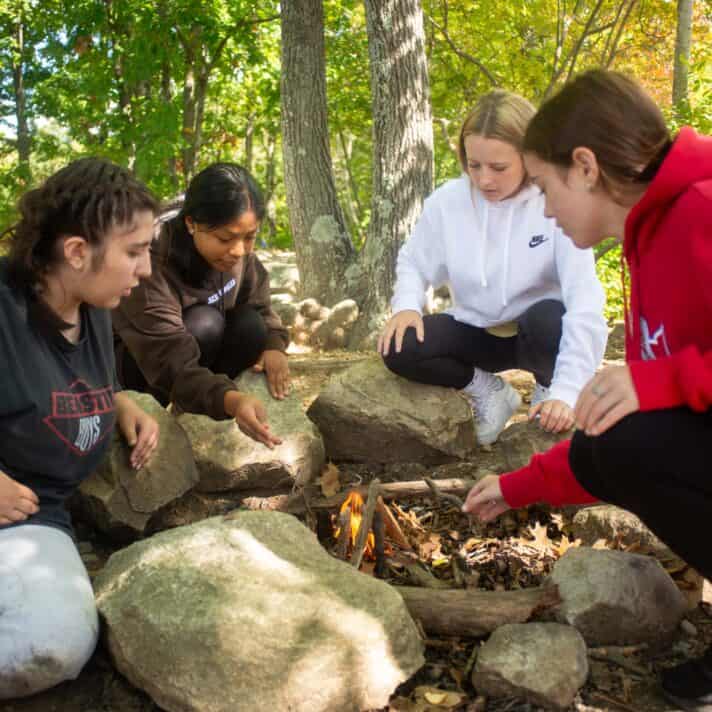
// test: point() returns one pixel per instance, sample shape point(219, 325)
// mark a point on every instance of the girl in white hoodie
point(523, 295)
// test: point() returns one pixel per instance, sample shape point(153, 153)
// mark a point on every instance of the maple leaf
point(329, 480)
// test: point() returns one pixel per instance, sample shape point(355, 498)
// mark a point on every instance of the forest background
point(346, 112)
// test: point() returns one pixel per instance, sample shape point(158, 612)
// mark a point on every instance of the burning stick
point(357, 554)
point(379, 535)
point(344, 536)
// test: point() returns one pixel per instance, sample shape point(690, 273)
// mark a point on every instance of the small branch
point(461, 53)
point(379, 536)
point(362, 536)
point(391, 526)
point(342, 545)
point(439, 496)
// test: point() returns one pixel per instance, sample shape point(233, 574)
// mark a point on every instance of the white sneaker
point(540, 393)
point(493, 403)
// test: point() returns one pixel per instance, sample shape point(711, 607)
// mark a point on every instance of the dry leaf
point(440, 699)
point(600, 544)
point(541, 538)
point(329, 480)
point(565, 545)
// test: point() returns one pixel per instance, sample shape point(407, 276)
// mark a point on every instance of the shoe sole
point(514, 400)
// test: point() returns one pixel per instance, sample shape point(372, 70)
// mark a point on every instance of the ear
point(585, 166)
point(190, 225)
point(77, 252)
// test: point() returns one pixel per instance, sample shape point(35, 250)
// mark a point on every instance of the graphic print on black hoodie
point(56, 400)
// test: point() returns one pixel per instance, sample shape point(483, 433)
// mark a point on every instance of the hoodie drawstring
point(505, 266)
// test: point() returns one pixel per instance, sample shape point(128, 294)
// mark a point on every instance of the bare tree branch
point(461, 53)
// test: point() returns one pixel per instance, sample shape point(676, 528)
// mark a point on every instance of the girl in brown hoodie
point(204, 315)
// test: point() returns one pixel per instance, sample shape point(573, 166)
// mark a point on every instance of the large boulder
point(227, 459)
point(614, 525)
point(248, 613)
point(368, 414)
point(616, 598)
point(121, 501)
point(543, 663)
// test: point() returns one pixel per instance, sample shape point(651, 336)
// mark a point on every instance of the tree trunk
point(323, 248)
point(23, 130)
point(682, 54)
point(402, 149)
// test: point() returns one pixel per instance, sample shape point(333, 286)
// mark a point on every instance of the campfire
point(349, 522)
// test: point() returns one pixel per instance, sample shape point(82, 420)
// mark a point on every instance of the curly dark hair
point(88, 197)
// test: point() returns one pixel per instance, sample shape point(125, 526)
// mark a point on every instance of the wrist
point(231, 402)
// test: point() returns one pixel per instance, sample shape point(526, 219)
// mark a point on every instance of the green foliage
point(113, 78)
point(610, 272)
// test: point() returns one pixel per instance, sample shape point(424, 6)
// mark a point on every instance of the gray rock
point(227, 459)
point(543, 663)
point(344, 313)
point(250, 614)
point(286, 311)
point(121, 501)
point(613, 525)
point(520, 441)
point(616, 598)
point(368, 414)
point(311, 309)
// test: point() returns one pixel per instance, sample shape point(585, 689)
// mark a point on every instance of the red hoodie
point(668, 248)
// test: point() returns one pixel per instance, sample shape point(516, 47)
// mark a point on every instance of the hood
point(689, 161)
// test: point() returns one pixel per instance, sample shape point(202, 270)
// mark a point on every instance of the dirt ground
point(620, 679)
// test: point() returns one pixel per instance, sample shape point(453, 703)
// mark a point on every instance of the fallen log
point(474, 613)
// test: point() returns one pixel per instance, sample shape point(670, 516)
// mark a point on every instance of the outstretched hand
point(485, 500)
point(396, 327)
point(17, 502)
point(251, 417)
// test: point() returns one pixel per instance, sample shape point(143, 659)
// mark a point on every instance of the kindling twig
point(379, 536)
point(367, 519)
point(441, 496)
point(342, 545)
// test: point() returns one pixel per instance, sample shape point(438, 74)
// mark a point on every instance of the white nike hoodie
point(498, 259)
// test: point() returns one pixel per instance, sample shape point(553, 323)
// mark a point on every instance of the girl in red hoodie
point(601, 153)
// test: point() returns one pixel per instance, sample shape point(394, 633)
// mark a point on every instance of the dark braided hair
point(88, 198)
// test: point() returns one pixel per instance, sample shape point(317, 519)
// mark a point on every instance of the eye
point(474, 166)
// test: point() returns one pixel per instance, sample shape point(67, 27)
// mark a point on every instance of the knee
point(583, 464)
point(48, 648)
point(247, 326)
point(400, 362)
point(543, 320)
point(206, 324)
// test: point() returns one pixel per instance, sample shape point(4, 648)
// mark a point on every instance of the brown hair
point(609, 114)
point(88, 197)
point(499, 114)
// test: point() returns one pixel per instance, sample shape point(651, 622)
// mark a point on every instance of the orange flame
point(355, 501)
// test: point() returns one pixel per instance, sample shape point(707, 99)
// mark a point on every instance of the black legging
point(229, 344)
point(657, 465)
point(451, 350)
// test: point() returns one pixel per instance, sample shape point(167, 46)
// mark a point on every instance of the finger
point(545, 414)
point(400, 332)
point(493, 511)
point(472, 497)
point(27, 507)
point(387, 338)
point(534, 410)
point(613, 416)
point(4, 520)
point(27, 493)
point(16, 515)
point(259, 430)
point(420, 330)
point(272, 384)
point(599, 409)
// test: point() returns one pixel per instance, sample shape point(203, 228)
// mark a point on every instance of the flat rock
point(121, 501)
point(227, 459)
point(520, 441)
point(248, 613)
point(542, 663)
point(617, 598)
point(614, 525)
point(368, 414)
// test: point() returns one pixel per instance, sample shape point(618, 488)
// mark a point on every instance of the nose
point(143, 269)
point(486, 178)
point(238, 249)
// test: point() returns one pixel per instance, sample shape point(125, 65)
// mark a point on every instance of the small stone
point(85, 547)
point(688, 628)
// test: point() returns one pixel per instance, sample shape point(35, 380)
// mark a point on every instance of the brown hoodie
point(149, 322)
